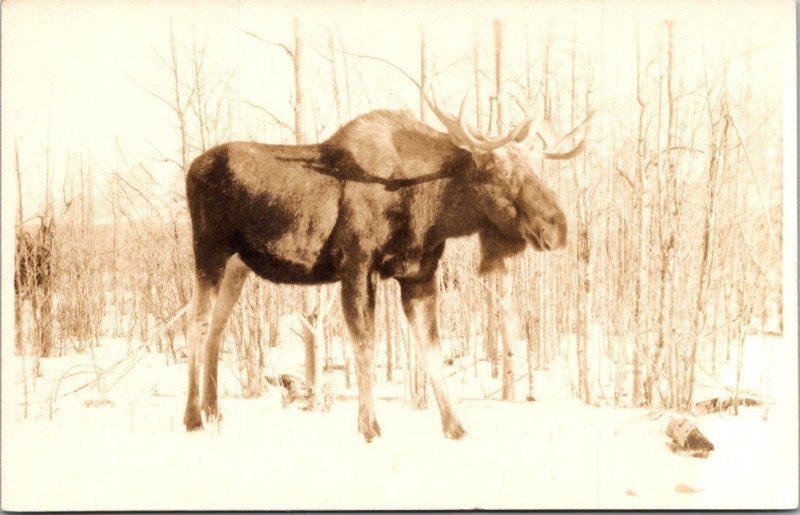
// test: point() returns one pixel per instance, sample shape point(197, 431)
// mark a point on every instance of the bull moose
point(379, 199)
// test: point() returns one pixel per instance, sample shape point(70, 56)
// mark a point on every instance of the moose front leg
point(419, 305)
point(358, 304)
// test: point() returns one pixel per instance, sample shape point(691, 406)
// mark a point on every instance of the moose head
point(510, 192)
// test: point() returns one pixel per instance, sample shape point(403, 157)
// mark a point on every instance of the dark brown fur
point(33, 281)
point(379, 198)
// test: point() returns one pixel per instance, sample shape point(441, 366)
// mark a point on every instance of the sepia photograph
point(395, 255)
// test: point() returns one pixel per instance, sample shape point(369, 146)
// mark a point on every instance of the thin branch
point(268, 113)
point(670, 149)
point(625, 176)
point(767, 217)
point(285, 48)
point(385, 61)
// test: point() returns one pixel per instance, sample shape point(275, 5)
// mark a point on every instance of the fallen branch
point(717, 405)
point(133, 358)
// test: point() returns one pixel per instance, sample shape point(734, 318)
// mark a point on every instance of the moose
point(377, 200)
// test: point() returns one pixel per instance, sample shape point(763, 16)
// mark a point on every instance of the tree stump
point(687, 440)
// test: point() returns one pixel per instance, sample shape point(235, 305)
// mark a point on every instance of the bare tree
point(337, 101)
point(499, 78)
point(476, 71)
point(504, 277)
point(418, 379)
point(717, 146)
point(423, 73)
point(642, 186)
point(314, 342)
point(297, 60)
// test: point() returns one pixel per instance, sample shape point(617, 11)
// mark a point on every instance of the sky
point(78, 77)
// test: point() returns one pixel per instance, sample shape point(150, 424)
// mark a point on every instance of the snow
point(131, 451)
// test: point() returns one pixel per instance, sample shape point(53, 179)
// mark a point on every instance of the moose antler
point(553, 144)
point(470, 137)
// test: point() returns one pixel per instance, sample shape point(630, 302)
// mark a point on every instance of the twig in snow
point(132, 363)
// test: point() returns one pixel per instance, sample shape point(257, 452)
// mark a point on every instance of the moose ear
point(483, 160)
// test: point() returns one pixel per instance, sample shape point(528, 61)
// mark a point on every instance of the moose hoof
point(370, 429)
point(454, 430)
point(192, 421)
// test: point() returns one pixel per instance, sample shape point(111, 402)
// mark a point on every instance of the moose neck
point(455, 203)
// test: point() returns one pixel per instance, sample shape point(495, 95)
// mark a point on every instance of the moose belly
point(297, 254)
point(279, 269)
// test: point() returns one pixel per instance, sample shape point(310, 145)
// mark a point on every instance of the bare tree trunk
point(504, 282)
point(584, 251)
point(745, 312)
point(546, 76)
point(419, 380)
point(491, 322)
point(423, 74)
point(347, 366)
point(334, 82)
point(544, 349)
point(314, 297)
point(498, 70)
point(528, 84)
point(503, 279)
point(297, 59)
point(535, 324)
point(314, 340)
point(476, 54)
point(390, 332)
point(43, 292)
point(273, 314)
point(492, 278)
point(198, 58)
point(544, 337)
point(672, 217)
point(531, 330)
point(652, 384)
point(115, 297)
point(718, 143)
point(180, 103)
point(643, 223)
point(346, 74)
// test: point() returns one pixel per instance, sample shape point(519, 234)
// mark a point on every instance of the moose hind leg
point(358, 304)
point(236, 272)
point(196, 336)
point(419, 305)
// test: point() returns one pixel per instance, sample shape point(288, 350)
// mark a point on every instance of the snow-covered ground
point(127, 449)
